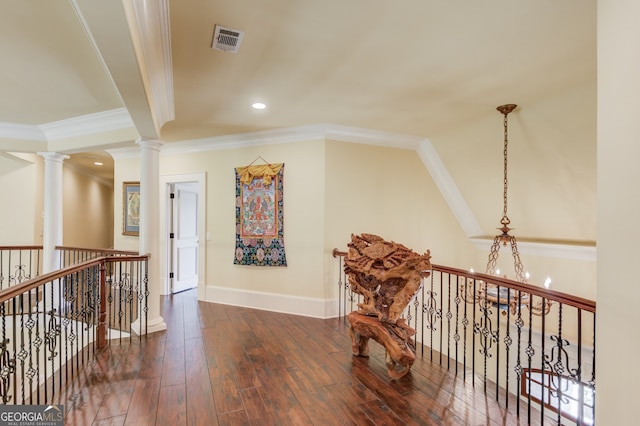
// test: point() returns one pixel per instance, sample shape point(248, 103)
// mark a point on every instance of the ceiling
point(414, 67)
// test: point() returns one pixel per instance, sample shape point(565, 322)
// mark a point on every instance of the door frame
point(165, 184)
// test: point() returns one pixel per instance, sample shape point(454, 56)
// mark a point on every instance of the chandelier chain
point(505, 219)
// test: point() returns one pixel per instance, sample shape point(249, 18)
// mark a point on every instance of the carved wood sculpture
point(387, 275)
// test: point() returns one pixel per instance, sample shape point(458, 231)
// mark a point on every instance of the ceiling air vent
point(226, 39)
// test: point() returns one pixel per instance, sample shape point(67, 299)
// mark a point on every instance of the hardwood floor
point(225, 365)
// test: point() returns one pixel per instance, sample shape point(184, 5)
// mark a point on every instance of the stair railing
point(523, 344)
point(52, 325)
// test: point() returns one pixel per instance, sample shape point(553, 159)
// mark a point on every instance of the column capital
point(53, 156)
point(154, 144)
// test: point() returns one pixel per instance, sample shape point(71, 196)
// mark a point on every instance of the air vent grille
point(226, 39)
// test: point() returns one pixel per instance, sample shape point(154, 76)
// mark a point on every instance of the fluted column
point(52, 230)
point(150, 230)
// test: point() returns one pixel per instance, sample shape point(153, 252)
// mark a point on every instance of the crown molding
point(115, 119)
point(22, 131)
point(244, 140)
point(372, 137)
point(296, 134)
point(105, 121)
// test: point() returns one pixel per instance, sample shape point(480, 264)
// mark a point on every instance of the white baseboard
point(294, 305)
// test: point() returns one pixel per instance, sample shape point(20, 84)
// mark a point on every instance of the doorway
point(184, 237)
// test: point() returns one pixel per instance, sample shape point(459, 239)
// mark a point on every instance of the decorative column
point(150, 230)
point(52, 231)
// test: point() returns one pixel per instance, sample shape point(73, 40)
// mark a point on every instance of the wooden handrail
point(18, 289)
point(98, 250)
point(20, 247)
point(557, 296)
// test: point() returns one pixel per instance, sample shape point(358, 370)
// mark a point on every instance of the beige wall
point(21, 190)
point(87, 205)
point(383, 191)
point(389, 192)
point(552, 166)
point(87, 210)
point(618, 212)
point(303, 215)
point(333, 189)
point(552, 191)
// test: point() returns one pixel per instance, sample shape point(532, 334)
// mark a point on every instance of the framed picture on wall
point(131, 208)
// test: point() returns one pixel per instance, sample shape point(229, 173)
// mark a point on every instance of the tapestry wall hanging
point(259, 218)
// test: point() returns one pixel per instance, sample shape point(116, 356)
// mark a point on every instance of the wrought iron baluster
point(134, 286)
point(30, 324)
point(13, 346)
point(544, 317)
point(530, 352)
point(558, 363)
point(340, 286)
point(456, 336)
point(465, 324)
point(22, 353)
point(2, 269)
point(416, 305)
point(422, 318)
point(439, 313)
point(592, 382)
point(449, 317)
point(430, 308)
point(576, 373)
point(7, 363)
point(518, 368)
point(507, 344)
point(146, 294)
point(495, 337)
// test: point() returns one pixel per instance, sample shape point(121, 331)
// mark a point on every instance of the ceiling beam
point(131, 38)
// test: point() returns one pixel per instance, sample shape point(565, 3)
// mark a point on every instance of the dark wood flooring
point(225, 365)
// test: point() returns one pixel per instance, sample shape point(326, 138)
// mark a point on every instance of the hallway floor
point(225, 365)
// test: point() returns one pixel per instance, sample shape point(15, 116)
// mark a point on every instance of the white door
point(185, 237)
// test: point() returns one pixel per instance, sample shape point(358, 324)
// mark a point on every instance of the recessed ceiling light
point(97, 163)
point(258, 105)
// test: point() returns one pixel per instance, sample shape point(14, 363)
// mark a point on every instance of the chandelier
point(505, 238)
point(498, 295)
